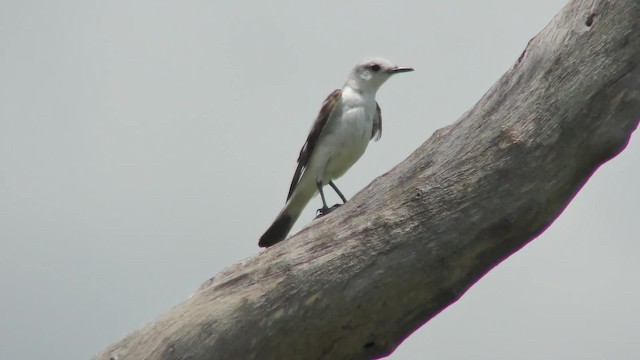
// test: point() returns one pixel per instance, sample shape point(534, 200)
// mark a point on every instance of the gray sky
point(146, 145)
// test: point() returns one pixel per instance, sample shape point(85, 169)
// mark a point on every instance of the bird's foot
point(326, 210)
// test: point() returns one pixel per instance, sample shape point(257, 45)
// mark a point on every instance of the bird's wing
point(308, 147)
point(376, 133)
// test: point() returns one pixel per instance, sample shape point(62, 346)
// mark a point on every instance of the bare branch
point(354, 284)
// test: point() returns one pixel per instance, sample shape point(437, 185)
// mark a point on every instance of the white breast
point(348, 134)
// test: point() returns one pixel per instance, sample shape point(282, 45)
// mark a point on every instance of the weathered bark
point(354, 284)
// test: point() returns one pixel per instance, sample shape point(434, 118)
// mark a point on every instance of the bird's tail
point(280, 228)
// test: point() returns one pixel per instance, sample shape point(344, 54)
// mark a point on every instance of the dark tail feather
point(277, 232)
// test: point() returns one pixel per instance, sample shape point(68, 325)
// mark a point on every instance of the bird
point(349, 118)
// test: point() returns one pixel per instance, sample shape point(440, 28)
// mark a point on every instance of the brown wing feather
point(312, 139)
point(376, 133)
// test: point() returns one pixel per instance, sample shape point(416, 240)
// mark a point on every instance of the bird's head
point(370, 74)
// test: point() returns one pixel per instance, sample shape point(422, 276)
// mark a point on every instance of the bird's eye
point(375, 67)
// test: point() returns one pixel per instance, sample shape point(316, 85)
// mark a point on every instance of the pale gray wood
point(354, 284)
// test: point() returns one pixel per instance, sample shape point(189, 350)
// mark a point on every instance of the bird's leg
point(325, 208)
point(344, 199)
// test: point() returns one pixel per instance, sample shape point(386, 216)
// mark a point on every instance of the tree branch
point(354, 284)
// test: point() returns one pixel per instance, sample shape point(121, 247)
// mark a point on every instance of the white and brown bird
point(349, 118)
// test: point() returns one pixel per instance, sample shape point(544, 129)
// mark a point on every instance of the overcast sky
point(146, 145)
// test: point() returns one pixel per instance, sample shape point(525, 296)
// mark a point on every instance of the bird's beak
point(399, 69)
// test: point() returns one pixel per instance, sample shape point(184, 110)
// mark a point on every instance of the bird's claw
point(326, 210)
